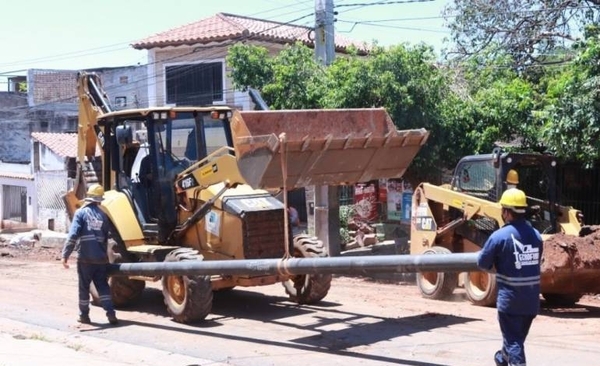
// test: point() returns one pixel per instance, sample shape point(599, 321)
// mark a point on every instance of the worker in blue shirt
point(514, 252)
point(90, 230)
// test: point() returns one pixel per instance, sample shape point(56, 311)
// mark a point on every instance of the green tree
point(572, 111)
point(289, 80)
point(404, 80)
point(501, 104)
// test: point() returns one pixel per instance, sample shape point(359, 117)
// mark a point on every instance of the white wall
point(29, 185)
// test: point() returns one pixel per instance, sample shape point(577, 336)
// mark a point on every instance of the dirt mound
point(35, 252)
point(571, 264)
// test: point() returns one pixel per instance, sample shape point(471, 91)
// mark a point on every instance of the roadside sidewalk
point(23, 344)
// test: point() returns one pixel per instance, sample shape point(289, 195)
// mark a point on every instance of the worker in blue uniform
point(90, 230)
point(514, 252)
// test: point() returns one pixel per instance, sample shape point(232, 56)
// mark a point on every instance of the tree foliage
point(468, 106)
point(502, 104)
point(529, 30)
point(405, 81)
point(572, 111)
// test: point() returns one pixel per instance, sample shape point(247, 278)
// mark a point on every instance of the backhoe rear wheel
point(481, 288)
point(437, 285)
point(188, 298)
point(308, 289)
point(124, 291)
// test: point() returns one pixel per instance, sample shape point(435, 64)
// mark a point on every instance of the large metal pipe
point(456, 262)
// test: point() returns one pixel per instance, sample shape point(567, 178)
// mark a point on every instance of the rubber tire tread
point(446, 281)
point(308, 289)
point(198, 291)
point(488, 298)
point(124, 291)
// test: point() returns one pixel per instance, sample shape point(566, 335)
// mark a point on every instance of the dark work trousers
point(96, 273)
point(514, 331)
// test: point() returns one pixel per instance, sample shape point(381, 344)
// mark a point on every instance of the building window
point(123, 79)
point(120, 102)
point(195, 84)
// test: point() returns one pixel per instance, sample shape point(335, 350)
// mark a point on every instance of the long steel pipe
point(455, 262)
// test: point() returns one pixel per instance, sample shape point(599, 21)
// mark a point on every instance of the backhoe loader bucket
point(321, 147)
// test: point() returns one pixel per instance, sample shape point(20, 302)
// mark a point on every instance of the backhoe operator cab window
point(477, 178)
point(179, 142)
point(188, 138)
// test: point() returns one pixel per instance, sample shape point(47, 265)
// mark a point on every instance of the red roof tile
point(62, 144)
point(222, 27)
point(14, 175)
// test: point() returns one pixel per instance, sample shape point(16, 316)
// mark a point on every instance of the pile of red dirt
point(571, 264)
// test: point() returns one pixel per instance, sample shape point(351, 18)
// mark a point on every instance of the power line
point(374, 24)
point(68, 55)
point(122, 46)
point(391, 2)
point(190, 66)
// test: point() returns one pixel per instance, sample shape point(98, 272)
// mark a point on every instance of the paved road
point(359, 323)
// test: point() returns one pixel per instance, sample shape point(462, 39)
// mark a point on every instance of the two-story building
point(186, 65)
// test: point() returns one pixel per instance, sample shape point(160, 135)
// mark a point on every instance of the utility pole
point(324, 38)
point(322, 201)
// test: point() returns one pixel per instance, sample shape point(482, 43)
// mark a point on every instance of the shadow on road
point(577, 311)
point(351, 329)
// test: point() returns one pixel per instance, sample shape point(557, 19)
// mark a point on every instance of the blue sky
point(75, 34)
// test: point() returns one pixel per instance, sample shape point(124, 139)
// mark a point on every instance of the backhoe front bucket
point(321, 147)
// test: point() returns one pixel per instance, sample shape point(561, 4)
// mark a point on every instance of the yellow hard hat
point(514, 199)
point(512, 177)
point(95, 193)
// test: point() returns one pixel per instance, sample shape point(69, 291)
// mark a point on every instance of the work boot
point(84, 319)
point(499, 359)
point(112, 319)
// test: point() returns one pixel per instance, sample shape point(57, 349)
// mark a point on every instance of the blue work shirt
point(515, 250)
point(91, 226)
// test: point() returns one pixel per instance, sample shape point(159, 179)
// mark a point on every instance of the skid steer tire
point(437, 285)
point(124, 291)
point(481, 288)
point(562, 299)
point(308, 289)
point(188, 298)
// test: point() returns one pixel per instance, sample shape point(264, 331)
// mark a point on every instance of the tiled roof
point(62, 144)
point(14, 175)
point(222, 27)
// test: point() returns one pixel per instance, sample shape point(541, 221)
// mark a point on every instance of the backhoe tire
point(562, 299)
point(188, 298)
point(124, 291)
point(308, 289)
point(437, 285)
point(481, 288)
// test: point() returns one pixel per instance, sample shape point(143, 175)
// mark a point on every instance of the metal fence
point(580, 188)
point(346, 195)
point(52, 211)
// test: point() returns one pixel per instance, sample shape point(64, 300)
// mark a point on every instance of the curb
point(26, 344)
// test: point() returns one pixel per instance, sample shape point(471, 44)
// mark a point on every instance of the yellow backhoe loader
point(198, 183)
point(459, 217)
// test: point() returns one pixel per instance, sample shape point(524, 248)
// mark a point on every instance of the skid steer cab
point(460, 216)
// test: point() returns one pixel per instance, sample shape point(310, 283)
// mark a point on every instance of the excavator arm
point(93, 103)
